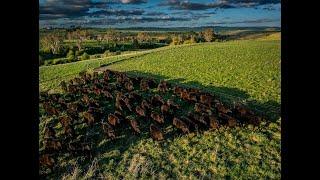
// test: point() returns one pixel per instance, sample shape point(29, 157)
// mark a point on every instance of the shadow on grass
point(270, 110)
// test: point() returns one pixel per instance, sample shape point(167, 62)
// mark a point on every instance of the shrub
point(59, 61)
point(47, 62)
point(84, 56)
point(187, 42)
point(208, 34)
point(54, 62)
point(70, 56)
point(135, 43)
point(122, 48)
point(193, 39)
point(107, 53)
point(176, 40)
point(95, 56)
point(79, 53)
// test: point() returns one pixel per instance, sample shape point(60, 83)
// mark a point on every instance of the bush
point(47, 62)
point(107, 53)
point(176, 40)
point(95, 56)
point(188, 42)
point(59, 61)
point(78, 53)
point(95, 50)
point(70, 56)
point(46, 51)
point(84, 56)
point(54, 62)
point(135, 44)
point(122, 48)
point(118, 53)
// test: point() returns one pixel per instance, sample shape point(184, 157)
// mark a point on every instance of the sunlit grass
point(249, 69)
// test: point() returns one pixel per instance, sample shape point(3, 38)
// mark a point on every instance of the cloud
point(154, 13)
point(210, 13)
point(56, 9)
point(142, 19)
point(250, 3)
point(130, 20)
point(222, 4)
point(187, 5)
point(256, 21)
point(133, 1)
point(53, 9)
point(113, 12)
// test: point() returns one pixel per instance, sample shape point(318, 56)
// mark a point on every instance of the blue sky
point(159, 13)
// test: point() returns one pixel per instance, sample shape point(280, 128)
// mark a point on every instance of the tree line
point(73, 43)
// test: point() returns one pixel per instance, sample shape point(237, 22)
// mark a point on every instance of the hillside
point(244, 70)
point(249, 70)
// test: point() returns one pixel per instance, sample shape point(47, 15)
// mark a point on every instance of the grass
point(253, 35)
point(51, 76)
point(273, 36)
point(249, 70)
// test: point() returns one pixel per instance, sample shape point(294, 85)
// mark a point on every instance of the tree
point(208, 34)
point(111, 35)
point(70, 36)
point(70, 56)
point(193, 39)
point(52, 42)
point(99, 38)
point(181, 38)
point(176, 40)
point(143, 36)
point(135, 43)
point(84, 56)
point(80, 36)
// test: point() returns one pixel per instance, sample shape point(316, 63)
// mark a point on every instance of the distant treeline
point(60, 43)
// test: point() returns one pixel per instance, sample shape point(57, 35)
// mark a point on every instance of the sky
point(159, 13)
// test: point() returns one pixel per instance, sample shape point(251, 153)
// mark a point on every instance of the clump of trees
point(84, 56)
point(52, 43)
point(206, 35)
point(110, 42)
point(71, 56)
point(135, 43)
point(80, 36)
point(177, 39)
point(143, 37)
point(111, 35)
point(209, 34)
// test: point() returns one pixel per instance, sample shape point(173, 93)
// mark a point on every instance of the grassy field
point(245, 70)
point(239, 70)
point(51, 76)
